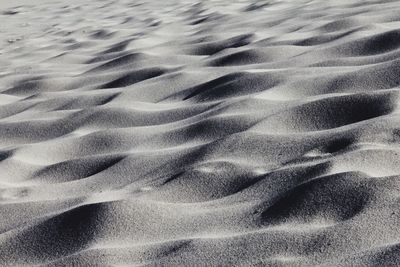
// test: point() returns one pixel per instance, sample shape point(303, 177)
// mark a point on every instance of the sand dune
point(199, 133)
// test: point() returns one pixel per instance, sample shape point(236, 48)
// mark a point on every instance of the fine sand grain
point(208, 133)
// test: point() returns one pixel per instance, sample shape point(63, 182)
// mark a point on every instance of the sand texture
point(212, 133)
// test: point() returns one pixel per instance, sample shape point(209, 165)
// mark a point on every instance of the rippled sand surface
point(211, 133)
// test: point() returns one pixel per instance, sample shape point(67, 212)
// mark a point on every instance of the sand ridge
point(211, 133)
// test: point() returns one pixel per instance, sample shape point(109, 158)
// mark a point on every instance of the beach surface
point(199, 133)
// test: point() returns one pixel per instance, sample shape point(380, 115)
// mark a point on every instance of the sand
point(211, 133)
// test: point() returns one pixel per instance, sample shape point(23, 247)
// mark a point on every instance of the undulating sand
point(211, 133)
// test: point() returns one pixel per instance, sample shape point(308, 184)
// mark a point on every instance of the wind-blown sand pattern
point(216, 133)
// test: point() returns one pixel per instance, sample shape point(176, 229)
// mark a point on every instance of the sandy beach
point(199, 133)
